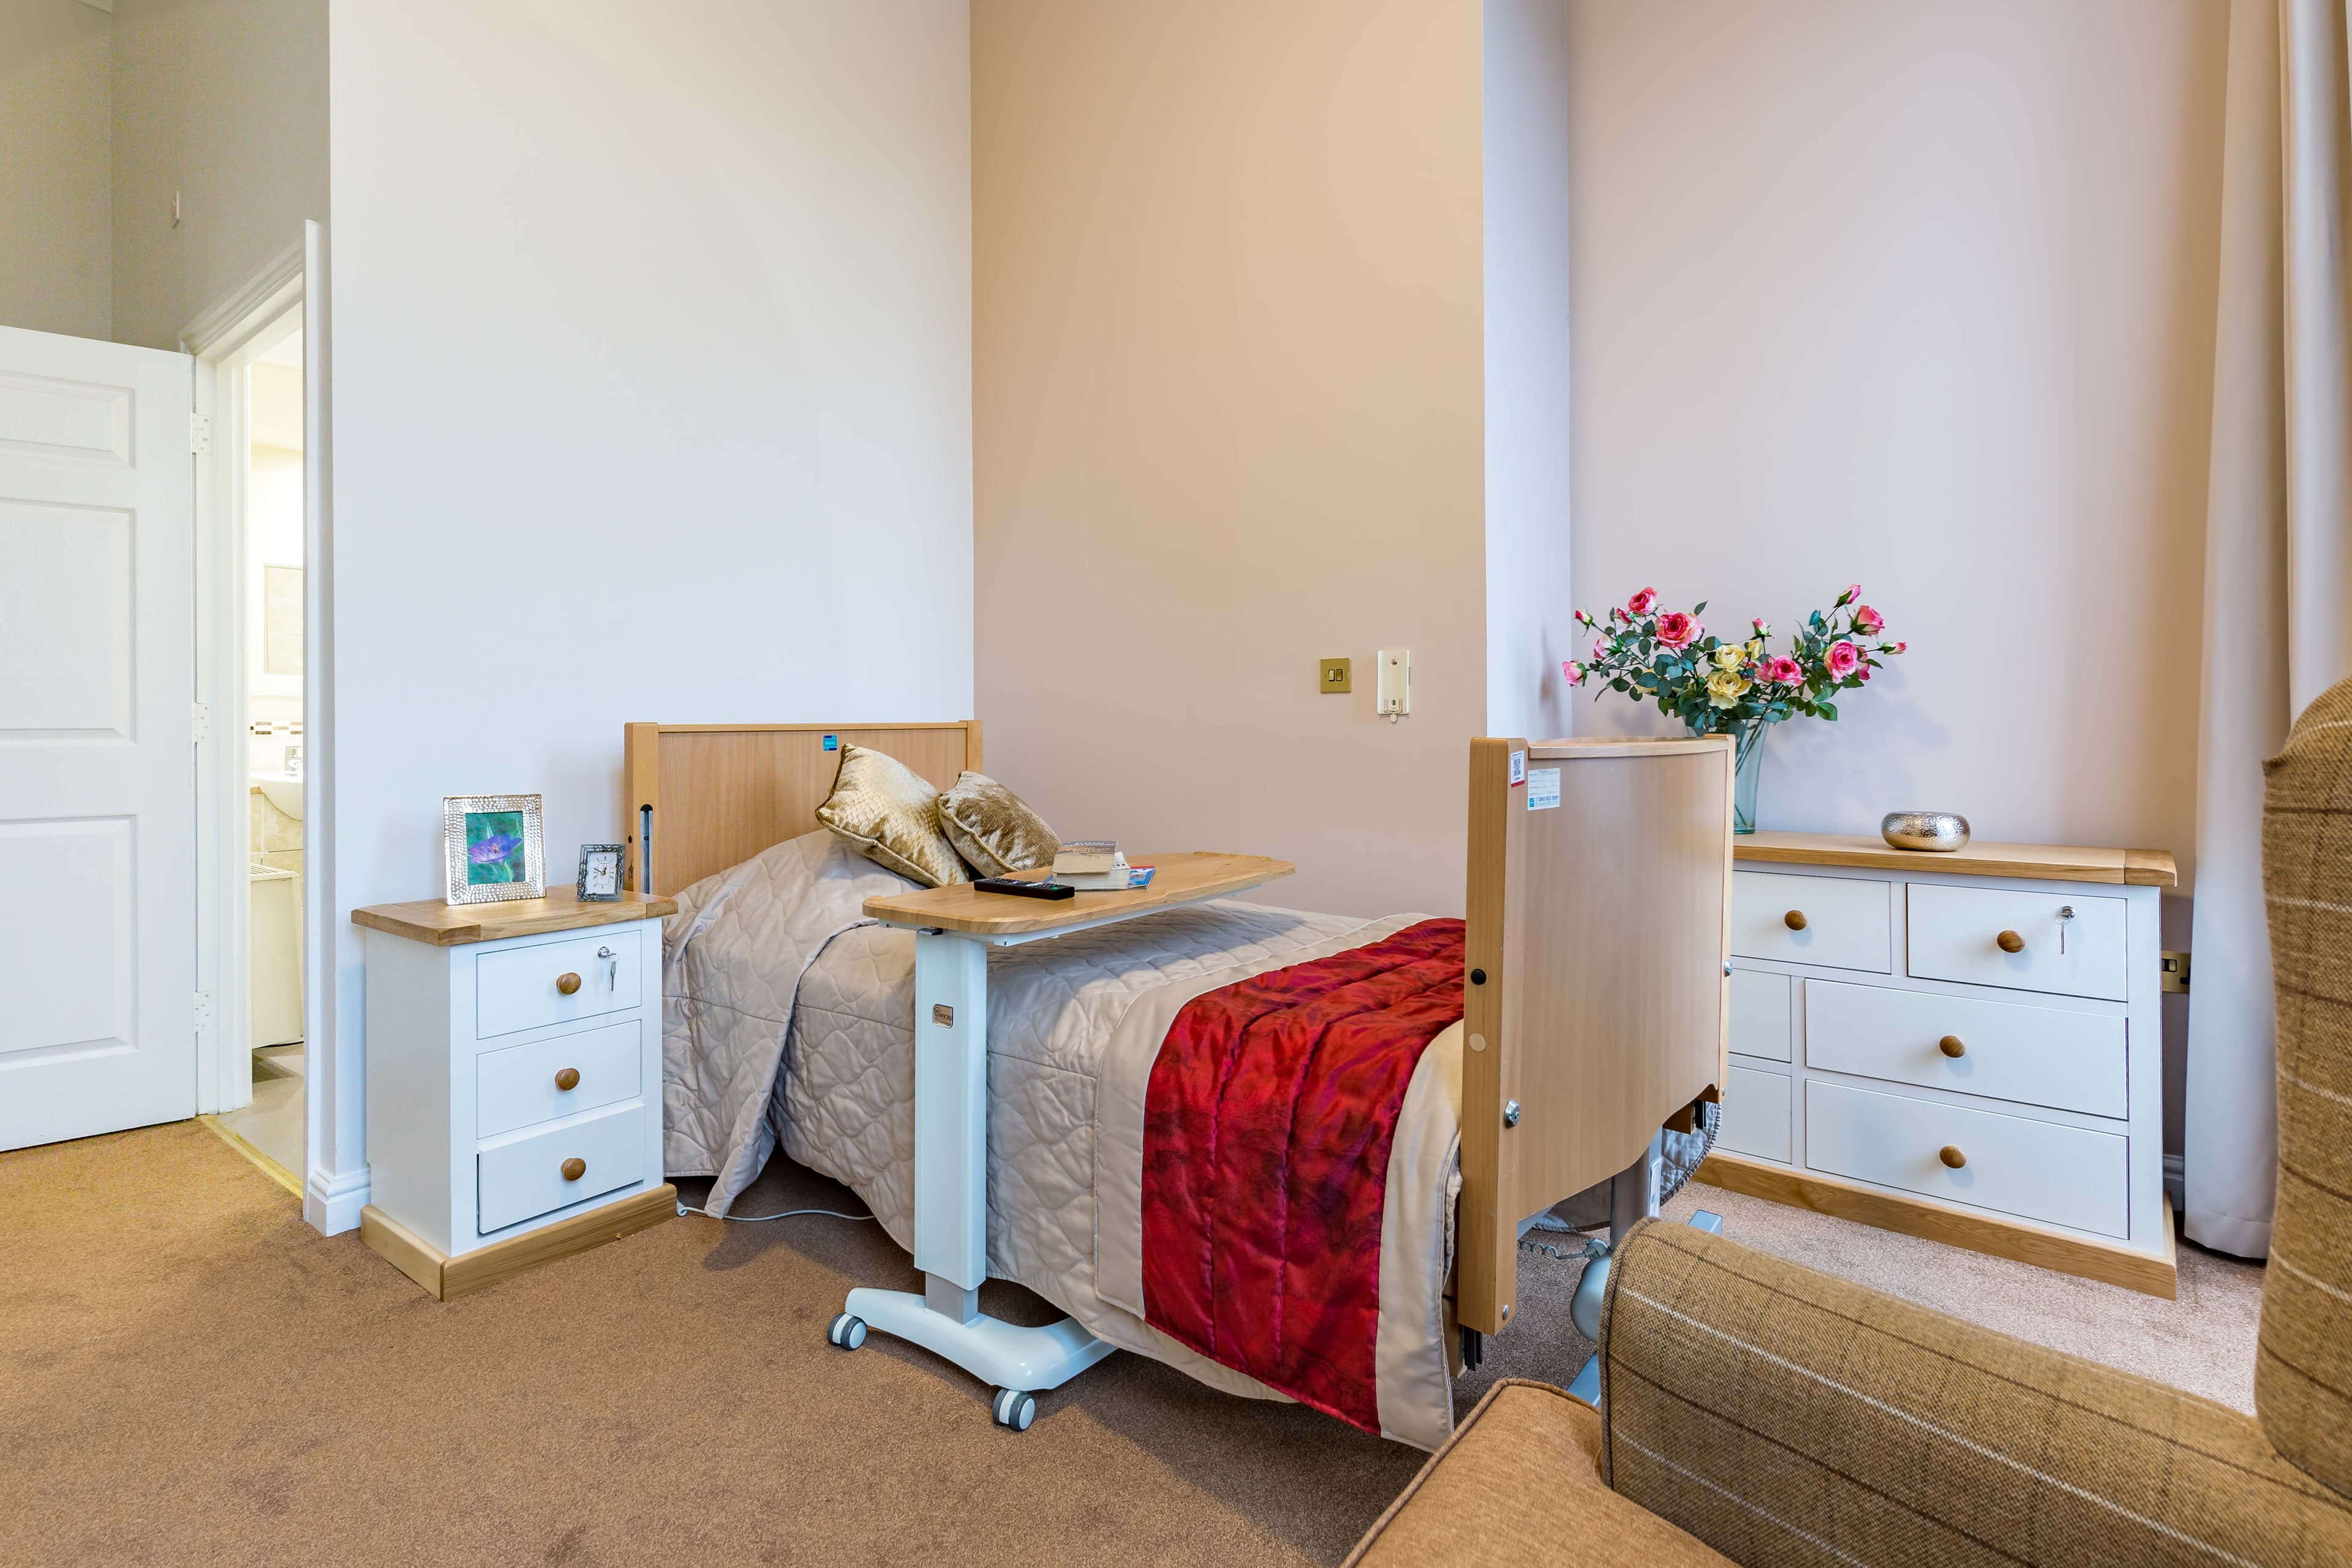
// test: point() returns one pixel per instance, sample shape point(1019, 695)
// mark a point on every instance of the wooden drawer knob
point(1794, 919)
point(570, 1077)
point(575, 1167)
point(1949, 1045)
point(567, 983)
point(2009, 941)
point(1949, 1153)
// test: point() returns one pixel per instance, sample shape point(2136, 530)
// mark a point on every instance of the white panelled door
point(98, 797)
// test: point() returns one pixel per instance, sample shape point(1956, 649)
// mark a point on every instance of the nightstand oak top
point(439, 924)
point(2053, 862)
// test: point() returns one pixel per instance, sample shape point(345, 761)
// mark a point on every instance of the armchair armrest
point(1783, 1416)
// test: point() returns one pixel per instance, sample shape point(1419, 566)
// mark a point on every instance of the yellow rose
point(1755, 647)
point(1730, 656)
point(1725, 687)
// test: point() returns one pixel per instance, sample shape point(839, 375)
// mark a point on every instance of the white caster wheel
point(847, 1331)
point(1013, 1409)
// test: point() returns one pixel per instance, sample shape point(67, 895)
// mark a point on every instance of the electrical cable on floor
point(788, 1213)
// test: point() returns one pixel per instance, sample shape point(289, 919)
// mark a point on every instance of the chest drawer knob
point(575, 1167)
point(1949, 1153)
point(569, 1078)
point(1949, 1045)
point(567, 983)
point(2009, 941)
point(1794, 919)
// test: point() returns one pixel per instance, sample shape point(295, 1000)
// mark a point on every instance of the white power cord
point(756, 1218)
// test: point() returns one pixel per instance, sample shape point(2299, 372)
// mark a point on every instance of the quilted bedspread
point(789, 1020)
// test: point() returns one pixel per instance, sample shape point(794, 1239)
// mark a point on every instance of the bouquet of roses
point(1714, 685)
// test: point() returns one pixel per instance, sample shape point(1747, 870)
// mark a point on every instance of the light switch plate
point(1395, 682)
point(1334, 675)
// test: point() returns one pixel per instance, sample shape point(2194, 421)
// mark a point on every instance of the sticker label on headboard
point(1543, 788)
point(833, 742)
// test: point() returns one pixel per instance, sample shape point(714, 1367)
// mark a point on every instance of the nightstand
point(514, 1076)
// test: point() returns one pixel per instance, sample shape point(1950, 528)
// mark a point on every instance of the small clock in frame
point(600, 873)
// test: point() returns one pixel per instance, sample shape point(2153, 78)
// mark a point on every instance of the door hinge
point(204, 1011)
point(200, 434)
point(200, 723)
point(2172, 971)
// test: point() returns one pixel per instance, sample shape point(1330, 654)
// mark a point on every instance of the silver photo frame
point(601, 866)
point(493, 848)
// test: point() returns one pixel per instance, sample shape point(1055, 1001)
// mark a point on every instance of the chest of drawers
point(1963, 1047)
point(514, 1082)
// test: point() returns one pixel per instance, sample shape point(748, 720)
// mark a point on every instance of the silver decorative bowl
point(1935, 830)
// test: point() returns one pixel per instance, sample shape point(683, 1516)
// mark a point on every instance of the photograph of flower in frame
point(492, 848)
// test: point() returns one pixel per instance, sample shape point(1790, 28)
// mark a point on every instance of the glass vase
point(1748, 749)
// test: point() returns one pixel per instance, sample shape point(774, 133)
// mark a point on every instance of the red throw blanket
point(1267, 1124)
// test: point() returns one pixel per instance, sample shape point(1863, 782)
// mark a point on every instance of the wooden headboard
point(716, 795)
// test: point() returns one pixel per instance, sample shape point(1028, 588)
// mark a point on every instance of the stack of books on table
point(1095, 866)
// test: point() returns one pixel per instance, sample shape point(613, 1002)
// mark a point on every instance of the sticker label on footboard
point(1543, 788)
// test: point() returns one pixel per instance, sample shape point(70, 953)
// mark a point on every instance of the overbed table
point(954, 928)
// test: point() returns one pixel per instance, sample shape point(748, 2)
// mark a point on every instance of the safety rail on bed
point(1598, 956)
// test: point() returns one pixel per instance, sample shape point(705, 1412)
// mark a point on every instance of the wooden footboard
point(1596, 1003)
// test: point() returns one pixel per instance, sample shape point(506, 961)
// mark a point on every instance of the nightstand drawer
point(523, 1179)
point(524, 987)
point(1965, 935)
point(523, 1085)
point(1756, 1114)
point(1836, 921)
point(2011, 1164)
point(2038, 1056)
point(1760, 1015)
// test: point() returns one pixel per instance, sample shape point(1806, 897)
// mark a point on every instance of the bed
point(1594, 948)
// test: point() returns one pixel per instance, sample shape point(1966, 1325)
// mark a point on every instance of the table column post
point(952, 1120)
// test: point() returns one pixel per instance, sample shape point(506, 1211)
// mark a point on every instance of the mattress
point(789, 1020)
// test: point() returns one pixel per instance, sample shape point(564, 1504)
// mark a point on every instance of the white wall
point(1228, 345)
point(651, 368)
point(223, 101)
point(56, 158)
point(1528, 266)
point(1920, 295)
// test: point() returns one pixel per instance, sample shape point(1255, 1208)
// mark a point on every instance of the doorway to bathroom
point(257, 489)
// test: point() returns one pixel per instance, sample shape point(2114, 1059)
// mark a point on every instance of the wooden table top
point(439, 924)
point(2057, 862)
point(1180, 877)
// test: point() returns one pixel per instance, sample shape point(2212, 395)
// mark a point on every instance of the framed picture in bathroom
point(493, 848)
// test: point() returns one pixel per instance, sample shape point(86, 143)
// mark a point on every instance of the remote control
point(1025, 890)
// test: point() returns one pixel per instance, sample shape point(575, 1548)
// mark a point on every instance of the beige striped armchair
point(1761, 1413)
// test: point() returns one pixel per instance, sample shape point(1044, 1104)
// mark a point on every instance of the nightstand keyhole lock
point(612, 968)
point(2065, 919)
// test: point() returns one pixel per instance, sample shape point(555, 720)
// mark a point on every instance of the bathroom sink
point(283, 791)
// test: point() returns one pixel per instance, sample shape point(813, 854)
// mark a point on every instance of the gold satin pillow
point(892, 814)
point(994, 828)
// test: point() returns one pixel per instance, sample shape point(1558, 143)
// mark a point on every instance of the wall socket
point(1333, 675)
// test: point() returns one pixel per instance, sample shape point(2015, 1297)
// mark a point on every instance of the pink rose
point(1599, 649)
point(1844, 660)
point(1853, 592)
point(1898, 647)
point(1782, 671)
point(1763, 627)
point(1618, 614)
point(1863, 674)
point(1582, 619)
point(1642, 602)
point(1868, 622)
point(1572, 670)
point(1677, 630)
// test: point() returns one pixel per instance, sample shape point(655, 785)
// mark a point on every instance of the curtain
point(2278, 562)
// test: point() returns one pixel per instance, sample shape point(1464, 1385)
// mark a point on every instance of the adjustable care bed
point(1286, 1152)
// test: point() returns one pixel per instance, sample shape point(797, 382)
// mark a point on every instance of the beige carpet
point(189, 1374)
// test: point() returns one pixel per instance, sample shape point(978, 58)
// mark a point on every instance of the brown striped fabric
point(2302, 1379)
point(1787, 1417)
